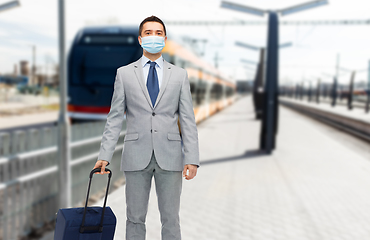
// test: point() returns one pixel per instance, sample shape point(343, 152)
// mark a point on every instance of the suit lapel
point(140, 77)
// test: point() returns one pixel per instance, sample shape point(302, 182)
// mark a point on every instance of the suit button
point(150, 130)
point(153, 113)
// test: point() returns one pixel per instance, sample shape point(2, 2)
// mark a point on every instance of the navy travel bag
point(88, 223)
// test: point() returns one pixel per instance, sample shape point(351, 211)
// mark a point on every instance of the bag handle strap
point(100, 227)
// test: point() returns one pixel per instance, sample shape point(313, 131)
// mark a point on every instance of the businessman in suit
point(154, 94)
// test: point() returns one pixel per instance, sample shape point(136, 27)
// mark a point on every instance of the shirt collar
point(159, 61)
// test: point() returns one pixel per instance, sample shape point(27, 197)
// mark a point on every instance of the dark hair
point(151, 19)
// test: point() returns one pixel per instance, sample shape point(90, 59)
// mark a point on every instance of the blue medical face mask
point(152, 44)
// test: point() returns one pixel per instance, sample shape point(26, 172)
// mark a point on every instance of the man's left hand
point(192, 171)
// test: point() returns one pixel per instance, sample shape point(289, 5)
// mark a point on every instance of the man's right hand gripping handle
point(101, 164)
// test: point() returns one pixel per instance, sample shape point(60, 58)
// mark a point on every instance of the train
point(96, 53)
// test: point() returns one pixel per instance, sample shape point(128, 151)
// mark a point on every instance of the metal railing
point(28, 174)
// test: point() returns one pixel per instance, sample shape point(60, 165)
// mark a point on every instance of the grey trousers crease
point(168, 189)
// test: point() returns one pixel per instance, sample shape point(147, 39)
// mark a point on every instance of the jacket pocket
point(174, 136)
point(131, 137)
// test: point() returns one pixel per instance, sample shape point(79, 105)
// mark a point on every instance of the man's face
point(152, 29)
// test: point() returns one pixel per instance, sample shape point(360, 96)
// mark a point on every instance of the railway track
point(355, 127)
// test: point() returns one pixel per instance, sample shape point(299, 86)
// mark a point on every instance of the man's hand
point(101, 164)
point(192, 171)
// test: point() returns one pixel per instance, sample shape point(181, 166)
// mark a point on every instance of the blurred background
point(292, 95)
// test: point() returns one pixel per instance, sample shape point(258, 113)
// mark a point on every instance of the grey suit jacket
point(151, 128)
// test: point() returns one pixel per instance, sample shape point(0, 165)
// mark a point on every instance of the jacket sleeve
point(188, 126)
point(114, 122)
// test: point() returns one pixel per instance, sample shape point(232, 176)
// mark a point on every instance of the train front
point(94, 57)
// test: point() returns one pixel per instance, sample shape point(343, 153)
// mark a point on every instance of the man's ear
point(139, 39)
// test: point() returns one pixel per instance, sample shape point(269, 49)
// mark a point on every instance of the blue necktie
point(152, 82)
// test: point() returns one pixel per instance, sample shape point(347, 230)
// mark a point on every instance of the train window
point(192, 85)
point(107, 39)
point(183, 64)
point(200, 92)
point(216, 92)
point(213, 93)
point(220, 90)
point(193, 89)
point(168, 58)
point(229, 91)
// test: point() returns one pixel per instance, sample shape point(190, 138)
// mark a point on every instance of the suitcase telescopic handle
point(100, 227)
point(99, 170)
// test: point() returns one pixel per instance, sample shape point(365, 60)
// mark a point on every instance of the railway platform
point(314, 186)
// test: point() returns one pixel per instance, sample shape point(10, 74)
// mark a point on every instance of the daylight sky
point(313, 53)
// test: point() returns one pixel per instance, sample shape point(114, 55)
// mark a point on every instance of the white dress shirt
point(158, 68)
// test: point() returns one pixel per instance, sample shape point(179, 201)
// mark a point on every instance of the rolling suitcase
point(86, 223)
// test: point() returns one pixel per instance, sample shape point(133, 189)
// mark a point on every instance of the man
point(155, 94)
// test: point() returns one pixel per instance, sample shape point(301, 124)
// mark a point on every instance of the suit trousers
point(168, 189)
